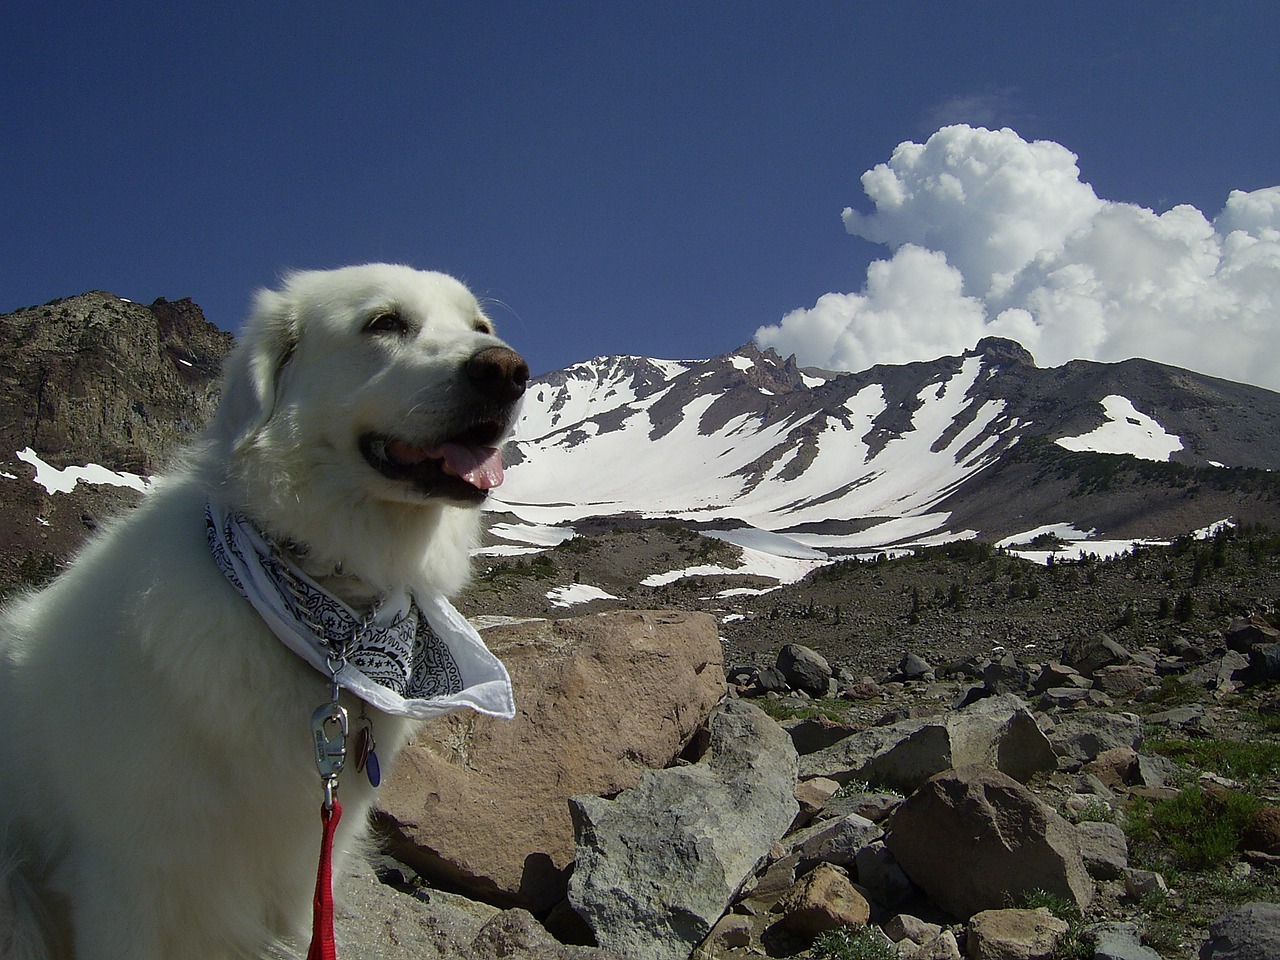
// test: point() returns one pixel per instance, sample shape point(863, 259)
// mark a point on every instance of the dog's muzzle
point(468, 464)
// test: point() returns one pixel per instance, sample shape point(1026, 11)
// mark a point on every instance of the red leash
point(322, 945)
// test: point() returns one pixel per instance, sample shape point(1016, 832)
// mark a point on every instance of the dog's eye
point(387, 323)
point(483, 326)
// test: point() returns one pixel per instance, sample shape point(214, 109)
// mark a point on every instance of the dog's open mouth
point(466, 467)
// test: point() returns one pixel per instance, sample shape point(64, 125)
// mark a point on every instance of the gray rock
point(997, 731)
point(834, 841)
point(1062, 698)
point(1118, 941)
point(1249, 932)
point(1090, 654)
point(657, 866)
point(914, 667)
point(1144, 883)
point(805, 669)
point(1104, 848)
point(378, 922)
point(1006, 676)
point(941, 947)
point(878, 872)
point(1080, 737)
point(1264, 663)
point(372, 919)
point(1007, 840)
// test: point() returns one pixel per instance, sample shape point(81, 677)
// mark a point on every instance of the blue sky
point(664, 179)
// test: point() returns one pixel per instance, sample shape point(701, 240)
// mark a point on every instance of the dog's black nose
point(498, 373)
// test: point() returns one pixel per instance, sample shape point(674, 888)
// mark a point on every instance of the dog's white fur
point(158, 791)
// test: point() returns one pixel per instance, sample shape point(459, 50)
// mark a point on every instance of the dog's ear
point(251, 378)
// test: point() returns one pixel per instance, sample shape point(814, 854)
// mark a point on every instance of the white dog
point(166, 723)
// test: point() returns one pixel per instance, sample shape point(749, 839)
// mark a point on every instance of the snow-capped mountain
point(813, 463)
point(797, 466)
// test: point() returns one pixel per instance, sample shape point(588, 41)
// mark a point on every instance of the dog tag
point(367, 756)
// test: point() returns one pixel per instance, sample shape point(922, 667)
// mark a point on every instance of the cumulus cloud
point(993, 235)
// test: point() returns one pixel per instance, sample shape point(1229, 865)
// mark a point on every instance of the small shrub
point(1060, 907)
point(1253, 762)
point(1203, 830)
point(853, 943)
point(1096, 811)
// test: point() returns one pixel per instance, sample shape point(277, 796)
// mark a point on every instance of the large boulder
point(995, 731)
point(482, 805)
point(658, 865)
point(975, 839)
point(805, 669)
point(1248, 932)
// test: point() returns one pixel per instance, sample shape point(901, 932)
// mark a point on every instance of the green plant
point(1252, 762)
point(1173, 692)
point(1201, 829)
point(853, 943)
point(1096, 811)
point(1059, 906)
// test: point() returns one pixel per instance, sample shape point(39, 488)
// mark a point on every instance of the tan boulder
point(822, 900)
point(481, 805)
point(1014, 935)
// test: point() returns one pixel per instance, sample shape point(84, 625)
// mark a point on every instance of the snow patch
point(1127, 431)
point(55, 480)
point(576, 593)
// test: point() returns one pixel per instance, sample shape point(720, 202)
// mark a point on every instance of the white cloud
point(993, 235)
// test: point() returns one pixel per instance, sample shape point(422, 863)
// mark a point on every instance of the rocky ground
point(977, 618)
point(944, 603)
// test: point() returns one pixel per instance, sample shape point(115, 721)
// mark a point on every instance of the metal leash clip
point(330, 744)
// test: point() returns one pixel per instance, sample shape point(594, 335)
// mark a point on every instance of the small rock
point(914, 667)
point(941, 947)
point(1116, 767)
point(1144, 883)
point(1090, 654)
point(731, 930)
point(1104, 848)
point(903, 926)
point(812, 795)
point(805, 669)
point(1118, 941)
point(834, 841)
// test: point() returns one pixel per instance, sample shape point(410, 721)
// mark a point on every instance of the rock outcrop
point(482, 805)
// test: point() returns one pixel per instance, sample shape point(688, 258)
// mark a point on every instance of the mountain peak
point(1001, 350)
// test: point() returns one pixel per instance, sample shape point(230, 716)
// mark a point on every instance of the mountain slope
point(895, 455)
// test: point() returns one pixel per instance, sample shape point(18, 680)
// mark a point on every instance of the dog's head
point(374, 384)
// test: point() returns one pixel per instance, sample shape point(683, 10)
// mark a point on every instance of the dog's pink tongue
point(479, 466)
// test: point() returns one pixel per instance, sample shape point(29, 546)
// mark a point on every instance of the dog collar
point(412, 655)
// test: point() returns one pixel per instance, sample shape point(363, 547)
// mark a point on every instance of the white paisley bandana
point(412, 656)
